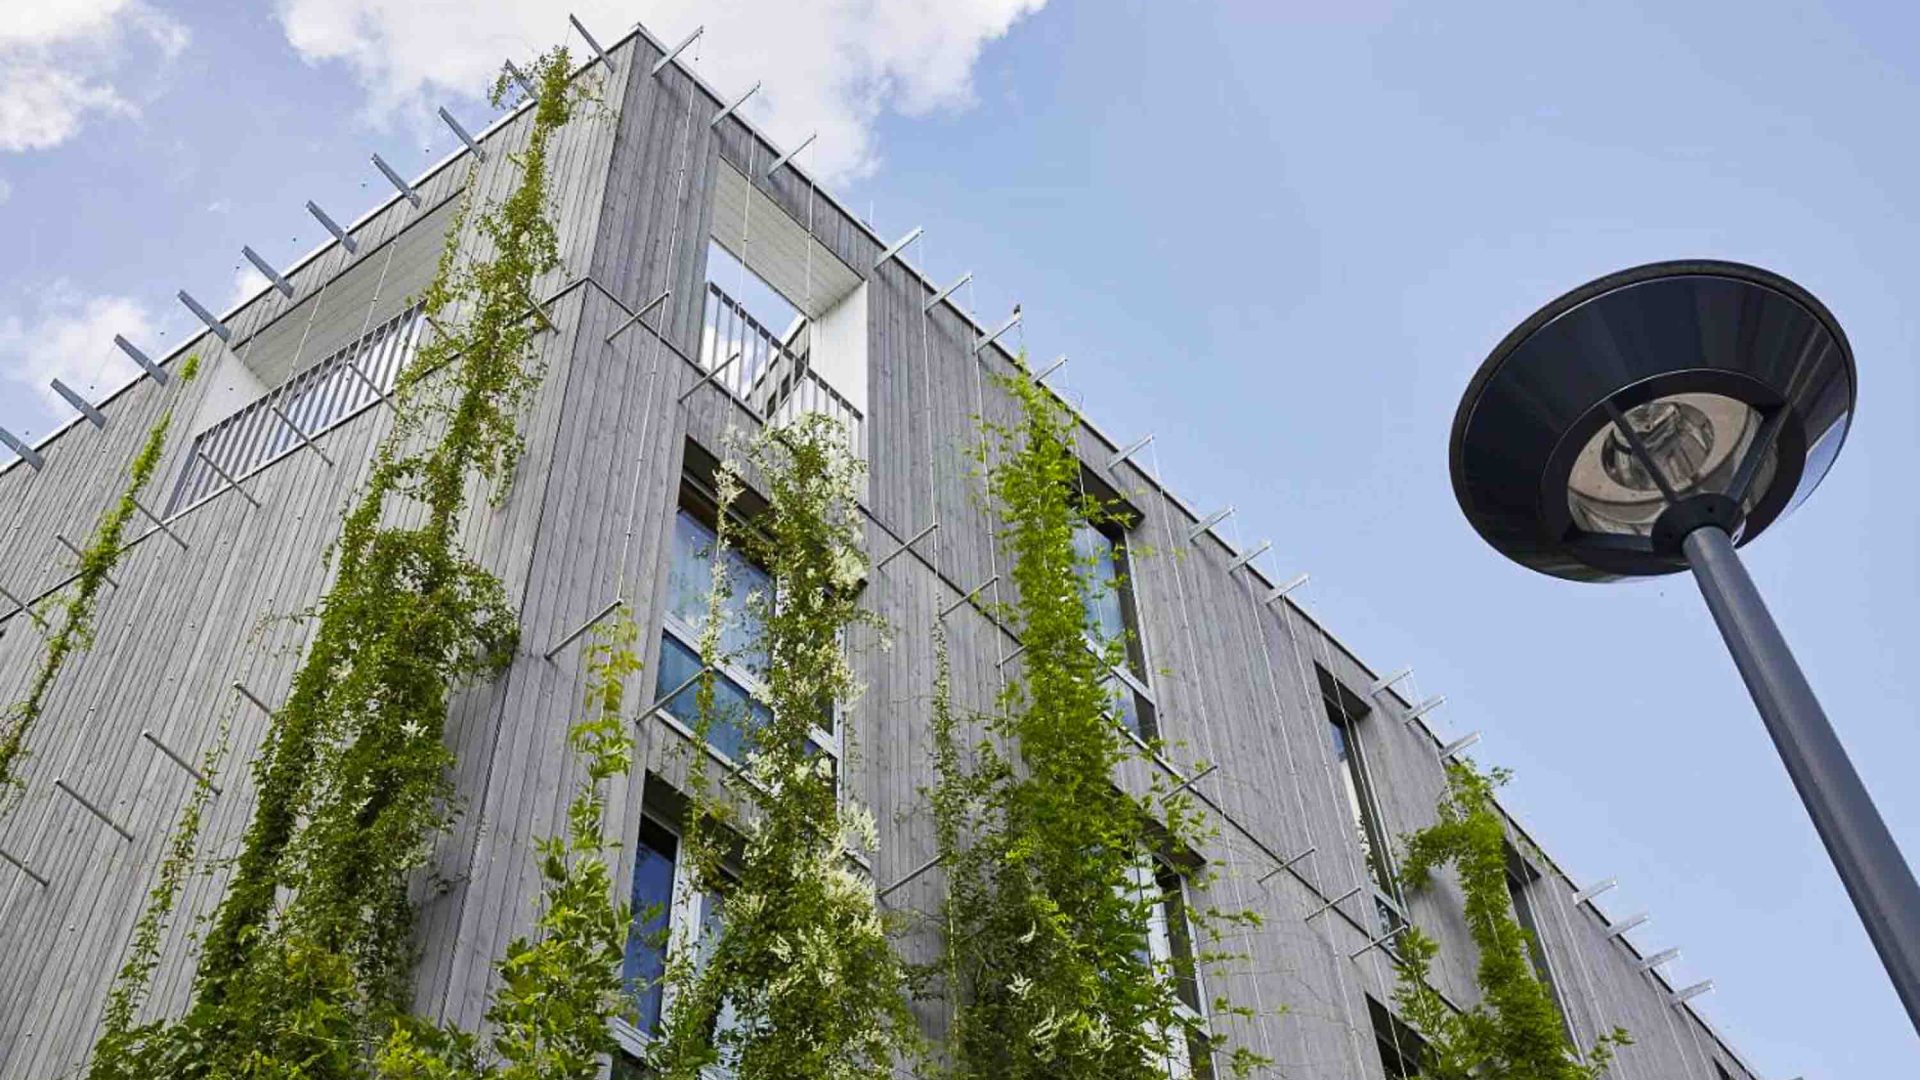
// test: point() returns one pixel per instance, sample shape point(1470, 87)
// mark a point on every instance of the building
point(707, 284)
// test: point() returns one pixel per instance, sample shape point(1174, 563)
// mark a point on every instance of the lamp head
point(1646, 404)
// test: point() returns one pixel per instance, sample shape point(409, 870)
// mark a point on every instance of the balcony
point(771, 374)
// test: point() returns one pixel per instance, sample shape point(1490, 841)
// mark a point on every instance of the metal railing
point(317, 399)
point(771, 376)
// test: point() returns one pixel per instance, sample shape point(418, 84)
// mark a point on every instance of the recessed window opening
point(1520, 879)
point(740, 679)
point(1171, 953)
point(1345, 714)
point(1400, 1048)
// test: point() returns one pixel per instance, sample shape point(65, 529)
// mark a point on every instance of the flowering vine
point(802, 968)
point(1051, 893)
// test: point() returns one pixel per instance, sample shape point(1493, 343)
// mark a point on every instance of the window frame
point(705, 509)
point(1188, 1058)
point(1392, 1035)
point(1376, 848)
point(1131, 673)
point(685, 926)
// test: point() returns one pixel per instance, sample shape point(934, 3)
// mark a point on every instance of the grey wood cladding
point(587, 520)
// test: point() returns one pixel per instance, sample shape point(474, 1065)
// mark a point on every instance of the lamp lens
point(1696, 441)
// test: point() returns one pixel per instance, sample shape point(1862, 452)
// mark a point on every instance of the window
point(1111, 617)
point(1400, 1048)
point(738, 684)
point(1344, 711)
point(669, 912)
point(1170, 951)
point(1720, 1072)
point(1519, 876)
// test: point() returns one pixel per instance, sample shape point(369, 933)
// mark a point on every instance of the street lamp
point(1652, 421)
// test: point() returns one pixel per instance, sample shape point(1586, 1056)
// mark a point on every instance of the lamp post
point(1654, 421)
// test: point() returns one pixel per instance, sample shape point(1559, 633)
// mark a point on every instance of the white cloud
point(832, 66)
point(57, 59)
point(69, 336)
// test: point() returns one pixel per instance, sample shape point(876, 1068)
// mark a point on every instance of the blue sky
point(1279, 236)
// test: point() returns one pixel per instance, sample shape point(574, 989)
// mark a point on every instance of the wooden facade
point(588, 519)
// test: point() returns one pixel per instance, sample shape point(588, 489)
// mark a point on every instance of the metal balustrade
point(772, 376)
point(319, 398)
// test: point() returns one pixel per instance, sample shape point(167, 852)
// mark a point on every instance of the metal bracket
point(1615, 930)
point(371, 385)
point(224, 475)
point(250, 696)
point(592, 44)
point(1249, 556)
point(1377, 942)
point(92, 809)
point(1594, 890)
point(1007, 659)
point(305, 439)
point(534, 308)
point(1456, 746)
point(711, 374)
point(461, 133)
point(266, 269)
point(95, 416)
point(661, 702)
point(788, 156)
point(638, 315)
point(898, 246)
point(159, 524)
point(346, 239)
point(19, 605)
point(178, 760)
point(1131, 449)
point(616, 604)
point(1192, 780)
point(1287, 865)
point(661, 63)
point(1424, 708)
point(1333, 903)
point(1654, 961)
point(902, 549)
point(1058, 363)
point(393, 178)
point(82, 556)
point(1680, 997)
point(914, 873)
point(1013, 320)
point(158, 373)
point(1381, 684)
point(1280, 593)
point(946, 292)
point(23, 867)
point(518, 77)
point(219, 328)
point(27, 453)
point(977, 590)
point(734, 104)
point(1212, 519)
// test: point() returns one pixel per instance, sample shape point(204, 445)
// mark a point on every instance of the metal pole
point(1863, 851)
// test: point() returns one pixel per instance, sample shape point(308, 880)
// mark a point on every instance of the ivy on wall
point(1046, 959)
point(306, 968)
point(1516, 1031)
point(74, 634)
point(802, 967)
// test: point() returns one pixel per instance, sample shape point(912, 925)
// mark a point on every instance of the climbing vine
point(307, 963)
point(74, 633)
point(801, 982)
point(558, 991)
point(1050, 888)
point(1515, 1032)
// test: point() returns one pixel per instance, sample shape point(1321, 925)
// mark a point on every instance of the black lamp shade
point(1736, 381)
